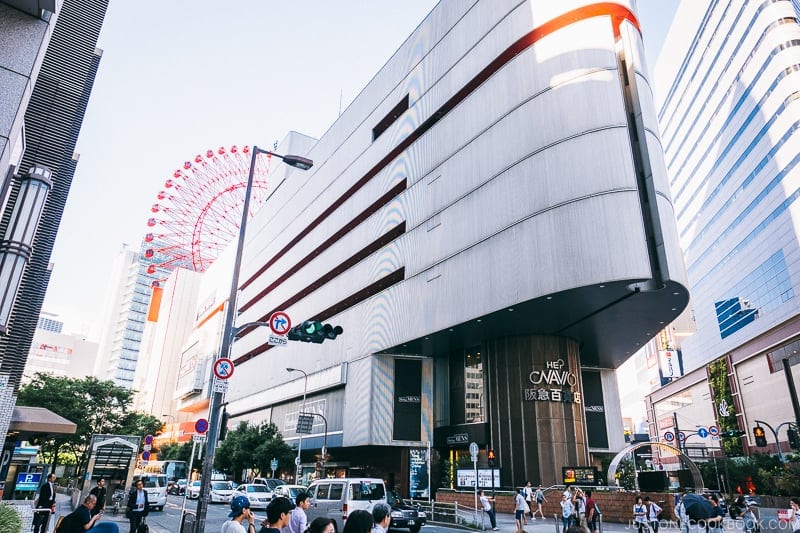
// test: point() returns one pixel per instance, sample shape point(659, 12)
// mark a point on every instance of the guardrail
point(454, 513)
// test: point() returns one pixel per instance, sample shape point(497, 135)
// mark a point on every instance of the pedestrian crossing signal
point(760, 436)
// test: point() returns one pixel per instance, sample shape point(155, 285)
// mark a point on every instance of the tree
point(95, 406)
point(252, 447)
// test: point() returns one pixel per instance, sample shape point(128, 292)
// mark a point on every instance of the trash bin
point(188, 522)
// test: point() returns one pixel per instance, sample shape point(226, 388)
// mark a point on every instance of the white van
point(336, 498)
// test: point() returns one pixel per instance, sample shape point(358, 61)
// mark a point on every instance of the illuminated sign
point(580, 475)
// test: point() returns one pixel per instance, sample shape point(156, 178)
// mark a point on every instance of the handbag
point(143, 527)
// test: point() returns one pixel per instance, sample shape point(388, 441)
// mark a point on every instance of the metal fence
point(454, 513)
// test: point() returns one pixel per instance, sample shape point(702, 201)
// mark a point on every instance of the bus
point(174, 470)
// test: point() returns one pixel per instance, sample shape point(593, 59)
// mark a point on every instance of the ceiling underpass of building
point(610, 321)
point(112, 460)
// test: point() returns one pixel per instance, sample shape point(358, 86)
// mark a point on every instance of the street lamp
point(226, 340)
point(172, 429)
point(302, 408)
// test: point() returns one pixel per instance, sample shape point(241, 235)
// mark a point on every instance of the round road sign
point(148, 439)
point(280, 323)
point(201, 425)
point(669, 436)
point(682, 435)
point(702, 432)
point(713, 431)
point(145, 456)
point(223, 368)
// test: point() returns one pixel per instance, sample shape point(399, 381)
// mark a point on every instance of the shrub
point(9, 518)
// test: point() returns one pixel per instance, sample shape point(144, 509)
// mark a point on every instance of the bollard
point(556, 520)
point(188, 522)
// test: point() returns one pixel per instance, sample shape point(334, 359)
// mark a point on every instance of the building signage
point(458, 438)
point(407, 424)
point(669, 363)
point(418, 472)
point(28, 482)
point(408, 399)
point(466, 477)
point(555, 384)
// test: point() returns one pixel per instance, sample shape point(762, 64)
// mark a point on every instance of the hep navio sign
point(554, 383)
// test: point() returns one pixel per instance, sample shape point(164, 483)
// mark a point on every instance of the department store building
point(490, 222)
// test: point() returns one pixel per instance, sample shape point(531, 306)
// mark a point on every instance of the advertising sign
point(466, 477)
point(418, 472)
point(580, 475)
point(28, 482)
point(668, 361)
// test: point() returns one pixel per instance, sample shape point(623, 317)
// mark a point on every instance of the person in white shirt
point(382, 515)
point(566, 512)
point(519, 508)
point(298, 519)
point(794, 517)
point(653, 511)
point(528, 493)
point(239, 516)
point(486, 503)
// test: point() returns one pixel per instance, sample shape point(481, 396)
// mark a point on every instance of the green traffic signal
point(314, 331)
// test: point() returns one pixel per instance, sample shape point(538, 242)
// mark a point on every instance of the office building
point(490, 223)
point(727, 88)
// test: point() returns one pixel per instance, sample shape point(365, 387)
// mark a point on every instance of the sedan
point(221, 492)
point(258, 495)
point(193, 489)
point(288, 491)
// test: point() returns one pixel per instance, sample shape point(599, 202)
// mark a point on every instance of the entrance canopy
point(27, 422)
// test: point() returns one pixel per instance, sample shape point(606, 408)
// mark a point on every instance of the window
point(390, 117)
point(474, 397)
point(336, 491)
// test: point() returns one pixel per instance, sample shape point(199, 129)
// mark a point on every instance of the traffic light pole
point(787, 370)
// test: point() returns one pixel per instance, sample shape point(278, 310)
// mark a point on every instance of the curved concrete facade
point(499, 178)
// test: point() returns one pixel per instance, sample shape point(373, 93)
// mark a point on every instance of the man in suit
point(137, 505)
point(46, 502)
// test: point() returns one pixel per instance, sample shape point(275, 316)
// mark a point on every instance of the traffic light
point(733, 433)
point(794, 441)
point(313, 331)
point(761, 437)
point(491, 458)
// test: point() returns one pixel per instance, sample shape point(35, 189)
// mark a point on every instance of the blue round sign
point(201, 426)
point(702, 433)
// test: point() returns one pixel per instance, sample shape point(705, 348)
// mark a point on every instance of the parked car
point(193, 489)
point(336, 498)
point(221, 492)
point(405, 514)
point(156, 487)
point(270, 483)
point(258, 494)
point(288, 491)
point(177, 488)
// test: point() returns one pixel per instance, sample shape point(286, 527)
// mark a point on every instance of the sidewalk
point(64, 507)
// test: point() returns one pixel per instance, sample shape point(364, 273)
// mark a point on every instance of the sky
point(180, 77)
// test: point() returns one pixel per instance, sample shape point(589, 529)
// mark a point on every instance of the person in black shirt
point(99, 492)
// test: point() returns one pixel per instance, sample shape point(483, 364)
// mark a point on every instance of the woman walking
point(640, 515)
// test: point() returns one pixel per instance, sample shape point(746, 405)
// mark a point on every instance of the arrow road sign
point(669, 436)
point(223, 368)
point(280, 323)
point(713, 431)
point(681, 435)
point(702, 432)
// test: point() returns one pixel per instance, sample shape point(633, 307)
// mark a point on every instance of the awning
point(27, 421)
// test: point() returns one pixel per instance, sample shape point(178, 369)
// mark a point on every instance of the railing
point(453, 513)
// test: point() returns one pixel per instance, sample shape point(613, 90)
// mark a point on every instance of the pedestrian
point(639, 514)
point(540, 499)
point(591, 513)
point(45, 504)
point(486, 503)
point(566, 512)
point(519, 509)
point(321, 525)
point(137, 507)
point(794, 505)
point(242, 519)
point(278, 513)
point(579, 502)
point(653, 510)
point(715, 522)
point(359, 521)
point(99, 492)
point(297, 518)
point(529, 499)
point(382, 517)
point(81, 519)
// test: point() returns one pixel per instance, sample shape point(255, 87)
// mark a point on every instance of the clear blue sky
point(179, 77)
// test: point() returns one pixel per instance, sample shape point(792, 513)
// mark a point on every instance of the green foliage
point(249, 447)
point(9, 518)
point(176, 452)
point(95, 406)
point(722, 398)
point(627, 473)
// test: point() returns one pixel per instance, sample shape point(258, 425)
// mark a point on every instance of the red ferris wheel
point(200, 208)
